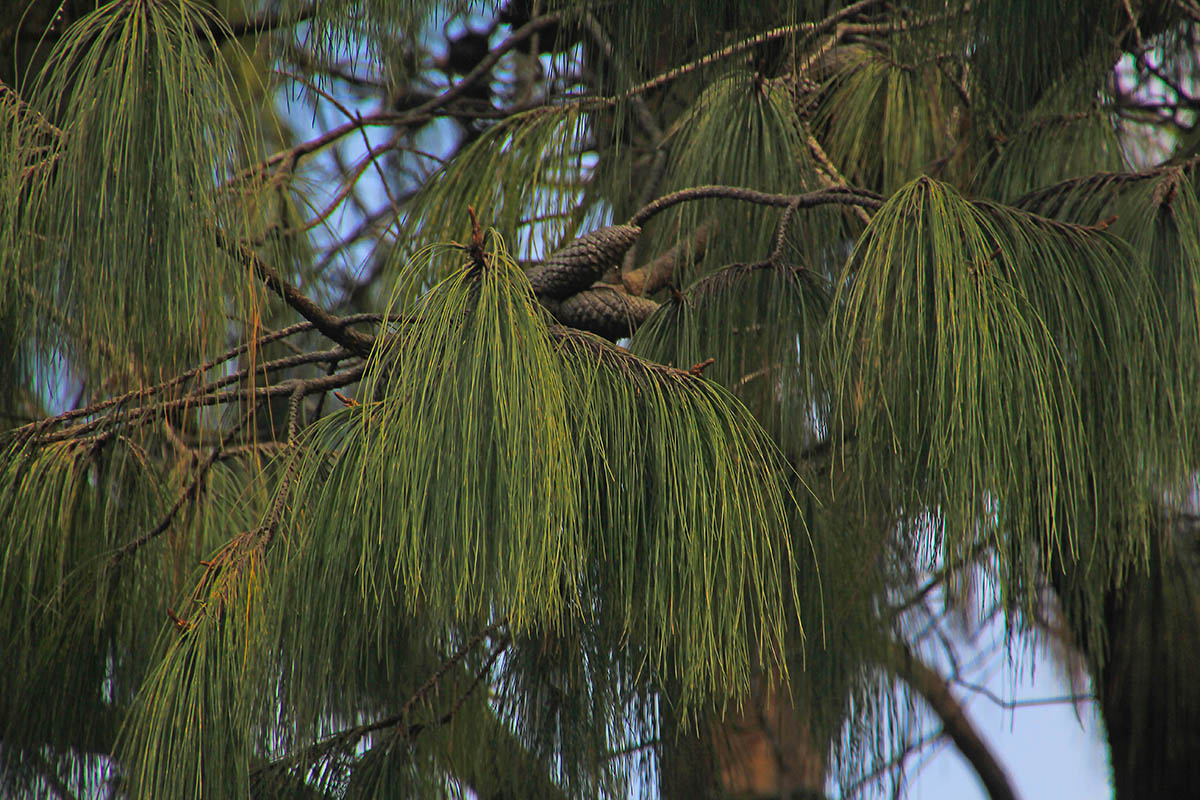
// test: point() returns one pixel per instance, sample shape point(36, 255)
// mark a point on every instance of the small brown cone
point(582, 262)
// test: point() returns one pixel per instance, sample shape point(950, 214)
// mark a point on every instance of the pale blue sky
point(1051, 752)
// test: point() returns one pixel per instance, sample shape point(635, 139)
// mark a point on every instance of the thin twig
point(415, 116)
point(781, 233)
point(973, 553)
point(187, 494)
point(348, 738)
point(310, 386)
point(894, 763)
point(268, 528)
point(808, 28)
point(1062, 699)
point(31, 429)
point(334, 355)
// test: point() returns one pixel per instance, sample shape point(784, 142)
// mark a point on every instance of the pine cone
point(607, 311)
point(582, 262)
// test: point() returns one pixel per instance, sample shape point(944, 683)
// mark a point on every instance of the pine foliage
point(890, 320)
point(119, 221)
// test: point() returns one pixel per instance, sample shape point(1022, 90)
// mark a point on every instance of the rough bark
point(1147, 682)
point(766, 748)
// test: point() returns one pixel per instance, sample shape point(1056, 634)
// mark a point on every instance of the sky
point(1054, 751)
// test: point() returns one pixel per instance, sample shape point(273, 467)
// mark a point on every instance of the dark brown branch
point(32, 429)
point(418, 115)
point(1062, 699)
point(334, 328)
point(284, 388)
point(935, 691)
point(332, 356)
point(935, 738)
point(483, 672)
point(938, 578)
point(491, 59)
point(843, 195)
point(437, 675)
point(295, 153)
point(265, 23)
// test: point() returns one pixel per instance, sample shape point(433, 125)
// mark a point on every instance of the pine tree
point(413, 398)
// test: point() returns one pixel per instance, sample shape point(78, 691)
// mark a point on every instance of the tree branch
point(36, 427)
point(841, 195)
point(808, 28)
point(975, 551)
point(935, 691)
point(347, 739)
point(414, 116)
point(332, 327)
point(284, 388)
point(264, 23)
point(656, 274)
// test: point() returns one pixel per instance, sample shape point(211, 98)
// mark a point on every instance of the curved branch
point(839, 195)
point(417, 115)
point(933, 689)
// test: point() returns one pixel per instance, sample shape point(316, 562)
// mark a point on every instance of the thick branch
point(935, 691)
point(653, 276)
point(335, 328)
point(841, 195)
